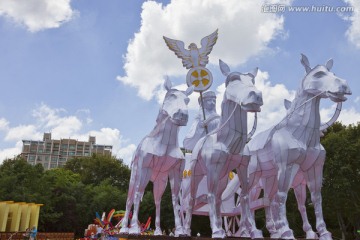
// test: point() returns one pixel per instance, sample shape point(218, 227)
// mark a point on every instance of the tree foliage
point(71, 195)
point(97, 168)
point(341, 191)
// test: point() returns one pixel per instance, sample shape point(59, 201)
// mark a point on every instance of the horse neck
point(304, 118)
point(233, 126)
point(166, 132)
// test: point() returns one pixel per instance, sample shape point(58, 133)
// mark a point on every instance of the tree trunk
point(342, 225)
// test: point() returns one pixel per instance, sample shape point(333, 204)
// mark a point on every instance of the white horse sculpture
point(157, 158)
point(298, 184)
point(291, 153)
point(219, 152)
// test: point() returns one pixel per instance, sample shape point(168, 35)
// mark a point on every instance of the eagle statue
point(193, 56)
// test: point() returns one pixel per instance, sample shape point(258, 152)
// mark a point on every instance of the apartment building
point(53, 153)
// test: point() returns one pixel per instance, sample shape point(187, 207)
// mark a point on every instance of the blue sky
point(89, 67)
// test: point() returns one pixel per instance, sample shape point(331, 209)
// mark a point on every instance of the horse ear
point(255, 72)
point(189, 90)
point(329, 64)
point(167, 84)
point(224, 68)
point(287, 104)
point(305, 62)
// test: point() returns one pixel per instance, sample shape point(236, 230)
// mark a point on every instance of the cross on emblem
point(200, 77)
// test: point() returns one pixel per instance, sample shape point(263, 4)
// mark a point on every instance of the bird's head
point(192, 46)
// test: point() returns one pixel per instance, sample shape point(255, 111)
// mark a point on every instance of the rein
point(334, 117)
point(223, 125)
point(227, 120)
point(249, 136)
point(278, 126)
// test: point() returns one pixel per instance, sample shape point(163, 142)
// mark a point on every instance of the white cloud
point(4, 124)
point(357, 99)
point(51, 120)
point(244, 32)
point(347, 116)
point(126, 153)
point(37, 15)
point(353, 32)
point(62, 125)
point(22, 132)
point(10, 152)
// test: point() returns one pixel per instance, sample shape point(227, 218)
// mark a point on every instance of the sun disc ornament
point(200, 77)
point(195, 59)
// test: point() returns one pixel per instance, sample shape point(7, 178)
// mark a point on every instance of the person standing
point(33, 233)
point(27, 234)
point(201, 126)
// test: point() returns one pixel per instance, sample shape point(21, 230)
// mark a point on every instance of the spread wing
point(177, 47)
point(207, 44)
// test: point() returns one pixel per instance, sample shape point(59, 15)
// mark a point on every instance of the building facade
point(52, 153)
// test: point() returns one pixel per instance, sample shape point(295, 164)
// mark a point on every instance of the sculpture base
point(152, 237)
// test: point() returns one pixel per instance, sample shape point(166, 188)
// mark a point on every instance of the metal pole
point(203, 110)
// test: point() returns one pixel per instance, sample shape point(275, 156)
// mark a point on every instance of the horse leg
point(158, 190)
point(314, 177)
point(215, 164)
point(194, 184)
point(220, 189)
point(269, 185)
point(285, 177)
point(175, 182)
point(253, 196)
point(143, 181)
point(213, 174)
point(125, 220)
point(247, 222)
point(130, 198)
point(299, 187)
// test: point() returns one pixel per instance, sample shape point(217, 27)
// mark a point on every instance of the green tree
point(97, 168)
point(341, 192)
point(64, 195)
point(20, 181)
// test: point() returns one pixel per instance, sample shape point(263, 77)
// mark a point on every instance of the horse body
point(157, 158)
point(292, 149)
point(219, 152)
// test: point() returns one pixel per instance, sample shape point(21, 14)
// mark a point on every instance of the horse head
point(321, 81)
point(240, 88)
point(175, 104)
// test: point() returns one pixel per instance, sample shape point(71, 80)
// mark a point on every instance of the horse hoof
point(244, 233)
point(256, 234)
point(157, 232)
point(311, 235)
point(180, 232)
point(326, 236)
point(124, 230)
point(275, 235)
point(135, 230)
point(288, 234)
point(219, 234)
